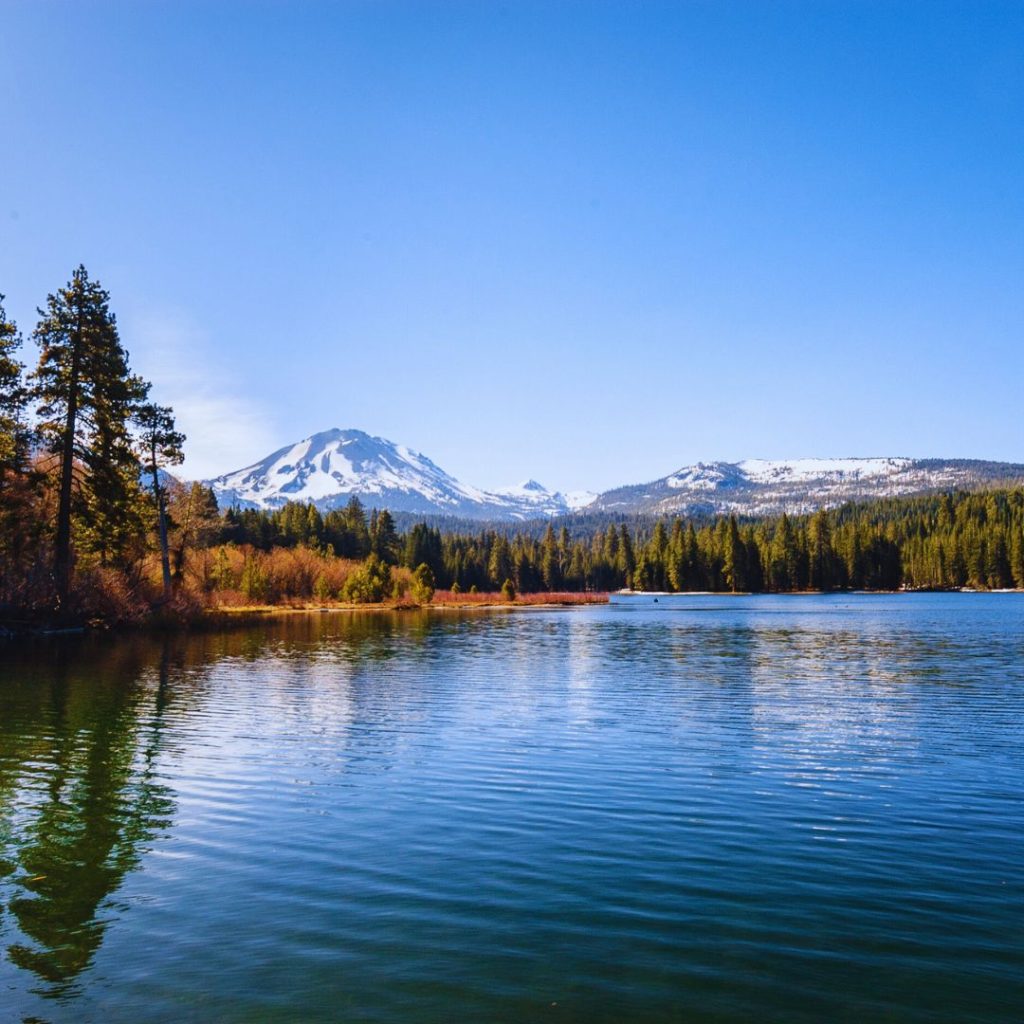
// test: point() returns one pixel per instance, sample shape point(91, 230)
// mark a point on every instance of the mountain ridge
point(755, 487)
point(330, 467)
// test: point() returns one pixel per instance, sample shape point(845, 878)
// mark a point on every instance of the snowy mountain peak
point(528, 488)
point(329, 467)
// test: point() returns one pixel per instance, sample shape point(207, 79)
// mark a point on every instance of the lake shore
point(231, 616)
point(228, 616)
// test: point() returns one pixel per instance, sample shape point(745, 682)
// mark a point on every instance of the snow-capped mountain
point(766, 487)
point(329, 468)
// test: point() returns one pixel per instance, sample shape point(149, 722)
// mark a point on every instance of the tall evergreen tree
point(500, 566)
point(14, 435)
point(159, 447)
point(734, 556)
point(86, 396)
point(21, 531)
point(551, 562)
point(384, 537)
point(114, 516)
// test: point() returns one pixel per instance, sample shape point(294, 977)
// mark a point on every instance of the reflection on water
point(79, 800)
point(791, 809)
point(82, 724)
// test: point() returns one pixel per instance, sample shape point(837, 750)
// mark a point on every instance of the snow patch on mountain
point(579, 500)
point(768, 471)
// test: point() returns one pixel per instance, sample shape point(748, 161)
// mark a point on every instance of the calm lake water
point(732, 809)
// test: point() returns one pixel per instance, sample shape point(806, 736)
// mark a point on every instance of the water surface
point(778, 809)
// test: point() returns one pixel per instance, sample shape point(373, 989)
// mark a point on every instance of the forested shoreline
point(945, 541)
point(93, 529)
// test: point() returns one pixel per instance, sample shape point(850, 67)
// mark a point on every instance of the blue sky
point(585, 242)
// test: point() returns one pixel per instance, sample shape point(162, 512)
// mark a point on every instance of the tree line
point(942, 541)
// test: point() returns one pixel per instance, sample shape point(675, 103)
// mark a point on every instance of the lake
point(792, 809)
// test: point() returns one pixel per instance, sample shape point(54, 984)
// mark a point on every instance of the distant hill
point(762, 487)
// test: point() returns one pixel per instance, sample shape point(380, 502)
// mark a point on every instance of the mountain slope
point(766, 487)
point(330, 467)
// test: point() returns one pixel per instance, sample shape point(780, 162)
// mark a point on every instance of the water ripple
point(796, 809)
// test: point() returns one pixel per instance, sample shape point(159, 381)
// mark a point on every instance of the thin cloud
point(224, 430)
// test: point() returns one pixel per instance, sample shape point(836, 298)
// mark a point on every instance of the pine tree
point(383, 537)
point(86, 396)
point(314, 531)
point(822, 573)
point(1017, 557)
point(14, 434)
point(550, 568)
point(695, 579)
point(627, 557)
point(160, 446)
point(657, 558)
point(734, 558)
point(500, 565)
point(784, 573)
point(114, 515)
point(21, 531)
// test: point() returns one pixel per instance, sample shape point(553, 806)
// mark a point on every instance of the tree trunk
point(62, 547)
point(179, 551)
point(165, 557)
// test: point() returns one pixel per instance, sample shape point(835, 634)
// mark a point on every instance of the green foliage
point(384, 542)
point(15, 436)
point(508, 590)
point(942, 541)
point(423, 584)
point(221, 577)
point(86, 397)
point(254, 583)
point(424, 545)
point(160, 445)
point(195, 519)
point(370, 583)
point(23, 534)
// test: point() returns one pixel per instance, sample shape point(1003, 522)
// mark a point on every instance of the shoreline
point(228, 616)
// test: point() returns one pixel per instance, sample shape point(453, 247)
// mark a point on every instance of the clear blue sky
point(585, 242)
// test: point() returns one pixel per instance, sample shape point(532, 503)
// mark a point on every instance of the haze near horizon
point(584, 244)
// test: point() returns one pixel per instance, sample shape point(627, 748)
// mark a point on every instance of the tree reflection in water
point(83, 725)
point(81, 797)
